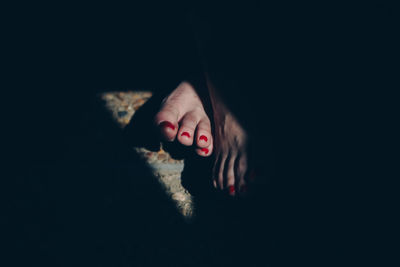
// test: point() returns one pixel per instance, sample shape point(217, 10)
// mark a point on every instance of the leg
point(230, 80)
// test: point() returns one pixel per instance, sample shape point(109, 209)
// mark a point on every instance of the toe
point(214, 173)
point(240, 172)
point(186, 129)
point(203, 133)
point(218, 171)
point(167, 121)
point(205, 151)
point(230, 175)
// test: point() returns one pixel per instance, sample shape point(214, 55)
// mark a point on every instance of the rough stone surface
point(122, 106)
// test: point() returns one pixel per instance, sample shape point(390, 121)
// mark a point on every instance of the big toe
point(167, 121)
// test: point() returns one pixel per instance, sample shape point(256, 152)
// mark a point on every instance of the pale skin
point(182, 116)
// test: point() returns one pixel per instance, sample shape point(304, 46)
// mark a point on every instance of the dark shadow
point(79, 195)
point(222, 222)
point(76, 195)
point(100, 206)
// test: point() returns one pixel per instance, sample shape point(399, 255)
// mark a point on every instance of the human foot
point(182, 116)
point(231, 149)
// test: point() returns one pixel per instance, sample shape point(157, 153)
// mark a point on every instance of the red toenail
point(185, 134)
point(167, 124)
point(205, 150)
point(231, 189)
point(203, 137)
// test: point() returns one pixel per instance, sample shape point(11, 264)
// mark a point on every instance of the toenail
point(167, 124)
point(231, 189)
point(205, 150)
point(203, 137)
point(185, 134)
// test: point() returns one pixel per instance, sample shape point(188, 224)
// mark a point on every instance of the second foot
point(230, 172)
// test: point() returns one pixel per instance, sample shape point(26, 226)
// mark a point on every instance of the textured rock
point(167, 170)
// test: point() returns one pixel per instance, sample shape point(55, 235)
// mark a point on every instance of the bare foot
point(182, 116)
point(231, 146)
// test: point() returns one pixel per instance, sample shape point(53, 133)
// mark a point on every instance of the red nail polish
point(167, 124)
point(185, 134)
point(205, 150)
point(203, 137)
point(231, 189)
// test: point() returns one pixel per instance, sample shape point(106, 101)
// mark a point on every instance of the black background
point(61, 208)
